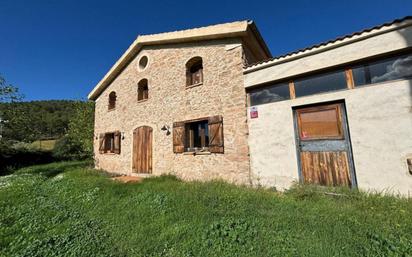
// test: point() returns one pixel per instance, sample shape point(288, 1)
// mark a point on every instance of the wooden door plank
point(150, 147)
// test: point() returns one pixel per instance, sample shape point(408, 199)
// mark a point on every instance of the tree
point(8, 92)
point(36, 120)
point(81, 126)
point(78, 142)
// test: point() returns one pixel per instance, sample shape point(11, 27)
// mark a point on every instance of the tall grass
point(68, 209)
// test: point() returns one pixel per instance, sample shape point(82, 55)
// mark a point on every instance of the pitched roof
point(246, 30)
point(333, 42)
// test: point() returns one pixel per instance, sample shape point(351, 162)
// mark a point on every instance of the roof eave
point(259, 38)
point(322, 47)
point(160, 39)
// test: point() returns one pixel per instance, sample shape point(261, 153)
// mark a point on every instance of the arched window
point(142, 90)
point(112, 100)
point(194, 71)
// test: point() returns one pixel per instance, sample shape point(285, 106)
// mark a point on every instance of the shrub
point(16, 156)
point(68, 149)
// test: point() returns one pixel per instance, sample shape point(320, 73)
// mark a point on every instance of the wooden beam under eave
point(292, 90)
point(349, 79)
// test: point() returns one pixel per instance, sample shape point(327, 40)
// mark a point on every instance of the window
point(144, 60)
point(112, 100)
point(194, 71)
point(320, 122)
point(393, 68)
point(197, 136)
point(201, 135)
point(142, 90)
point(110, 142)
point(320, 83)
point(269, 94)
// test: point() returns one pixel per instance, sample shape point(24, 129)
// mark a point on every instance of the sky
point(60, 49)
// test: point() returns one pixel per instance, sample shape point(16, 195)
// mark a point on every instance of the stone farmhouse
point(212, 103)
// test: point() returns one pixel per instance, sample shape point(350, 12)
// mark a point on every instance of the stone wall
point(222, 93)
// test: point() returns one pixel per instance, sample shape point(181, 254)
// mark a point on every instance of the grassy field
point(67, 209)
point(45, 145)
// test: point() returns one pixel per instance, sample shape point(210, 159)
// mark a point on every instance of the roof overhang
point(245, 30)
point(394, 25)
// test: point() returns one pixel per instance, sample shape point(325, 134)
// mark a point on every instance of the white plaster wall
point(380, 125)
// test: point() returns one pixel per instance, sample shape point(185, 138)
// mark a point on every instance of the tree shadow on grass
point(54, 169)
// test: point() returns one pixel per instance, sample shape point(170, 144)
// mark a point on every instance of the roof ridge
point(325, 43)
point(201, 27)
point(243, 29)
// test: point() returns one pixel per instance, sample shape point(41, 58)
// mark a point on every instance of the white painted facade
point(379, 115)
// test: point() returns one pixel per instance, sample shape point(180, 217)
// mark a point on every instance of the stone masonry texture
point(222, 93)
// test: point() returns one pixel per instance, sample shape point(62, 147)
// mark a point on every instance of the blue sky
point(61, 49)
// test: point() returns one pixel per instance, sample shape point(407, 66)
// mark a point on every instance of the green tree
point(81, 126)
point(78, 142)
point(30, 121)
point(8, 92)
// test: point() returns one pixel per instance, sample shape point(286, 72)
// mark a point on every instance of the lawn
point(68, 209)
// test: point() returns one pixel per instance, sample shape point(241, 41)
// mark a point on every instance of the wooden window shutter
point(102, 137)
point(216, 134)
point(178, 137)
point(117, 140)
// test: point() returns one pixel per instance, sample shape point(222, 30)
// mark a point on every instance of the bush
point(18, 155)
point(68, 149)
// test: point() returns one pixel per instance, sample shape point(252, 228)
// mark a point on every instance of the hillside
point(30, 121)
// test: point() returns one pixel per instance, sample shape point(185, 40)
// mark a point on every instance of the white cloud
point(400, 68)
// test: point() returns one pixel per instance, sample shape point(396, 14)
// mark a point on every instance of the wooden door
point(323, 144)
point(142, 149)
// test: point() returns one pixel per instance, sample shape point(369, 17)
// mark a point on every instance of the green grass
point(45, 145)
point(68, 209)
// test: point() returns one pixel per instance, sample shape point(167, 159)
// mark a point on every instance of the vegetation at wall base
point(69, 209)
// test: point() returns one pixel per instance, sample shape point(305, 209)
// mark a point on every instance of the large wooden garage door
point(142, 149)
point(324, 146)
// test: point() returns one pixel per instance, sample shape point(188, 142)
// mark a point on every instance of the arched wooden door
point(142, 149)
